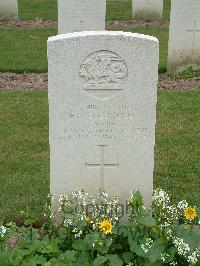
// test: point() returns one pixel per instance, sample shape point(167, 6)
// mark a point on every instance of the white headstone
point(102, 111)
point(81, 15)
point(8, 9)
point(147, 9)
point(184, 35)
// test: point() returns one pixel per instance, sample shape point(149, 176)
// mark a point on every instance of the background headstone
point(184, 35)
point(8, 9)
point(147, 9)
point(102, 104)
point(81, 15)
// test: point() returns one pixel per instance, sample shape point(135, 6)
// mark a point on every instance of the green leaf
point(149, 263)
point(54, 244)
point(89, 240)
point(81, 224)
point(128, 256)
point(147, 220)
point(133, 245)
point(16, 257)
point(70, 255)
point(78, 244)
point(84, 259)
point(5, 258)
point(158, 247)
point(100, 260)
point(114, 260)
point(171, 252)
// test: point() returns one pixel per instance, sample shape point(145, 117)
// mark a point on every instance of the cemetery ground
point(47, 10)
point(24, 147)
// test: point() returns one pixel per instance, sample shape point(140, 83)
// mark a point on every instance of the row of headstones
point(142, 9)
point(78, 15)
point(184, 35)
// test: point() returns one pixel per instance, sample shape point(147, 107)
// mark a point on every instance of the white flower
point(169, 234)
point(193, 258)
point(74, 230)
point(78, 234)
point(164, 256)
point(164, 225)
point(173, 263)
point(63, 198)
point(160, 197)
point(172, 212)
point(145, 247)
point(182, 205)
point(181, 246)
point(94, 226)
point(105, 194)
point(3, 230)
point(67, 222)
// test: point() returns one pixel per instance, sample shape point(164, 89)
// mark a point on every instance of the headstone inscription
point(147, 9)
point(8, 9)
point(102, 111)
point(184, 35)
point(81, 15)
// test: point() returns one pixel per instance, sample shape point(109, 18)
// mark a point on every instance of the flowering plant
point(94, 232)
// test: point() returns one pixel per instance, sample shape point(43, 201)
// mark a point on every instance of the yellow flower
point(190, 213)
point(106, 227)
point(87, 218)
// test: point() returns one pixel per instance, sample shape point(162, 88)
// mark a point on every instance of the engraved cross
point(194, 31)
point(102, 165)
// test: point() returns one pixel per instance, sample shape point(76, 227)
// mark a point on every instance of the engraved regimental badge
point(103, 74)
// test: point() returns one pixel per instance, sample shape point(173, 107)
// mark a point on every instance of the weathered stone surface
point(184, 35)
point(102, 104)
point(81, 15)
point(8, 9)
point(147, 9)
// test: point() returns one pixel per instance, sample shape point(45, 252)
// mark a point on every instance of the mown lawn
point(24, 156)
point(24, 50)
point(47, 9)
point(28, 51)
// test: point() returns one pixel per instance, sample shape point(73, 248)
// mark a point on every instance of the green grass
point(24, 50)
point(47, 9)
point(166, 9)
point(43, 9)
point(119, 10)
point(177, 144)
point(24, 157)
point(28, 50)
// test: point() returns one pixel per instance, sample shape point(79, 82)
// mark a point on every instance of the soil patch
point(167, 83)
point(24, 24)
point(39, 81)
point(131, 24)
point(27, 24)
point(23, 82)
